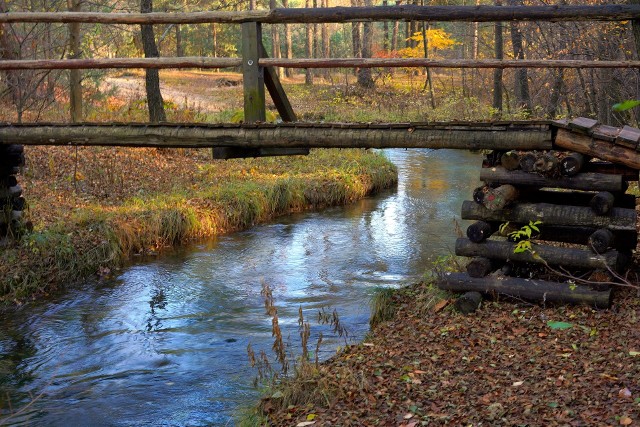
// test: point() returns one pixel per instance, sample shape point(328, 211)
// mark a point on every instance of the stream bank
point(93, 209)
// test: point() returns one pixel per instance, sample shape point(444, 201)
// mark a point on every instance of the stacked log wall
point(574, 203)
point(11, 201)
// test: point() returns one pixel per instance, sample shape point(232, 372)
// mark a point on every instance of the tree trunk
point(497, 73)
point(152, 78)
point(523, 99)
point(308, 75)
point(385, 31)
point(288, 44)
point(394, 34)
point(75, 76)
point(179, 47)
point(428, 84)
point(275, 40)
point(214, 35)
point(365, 79)
point(326, 49)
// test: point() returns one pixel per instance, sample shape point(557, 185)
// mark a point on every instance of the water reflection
point(165, 343)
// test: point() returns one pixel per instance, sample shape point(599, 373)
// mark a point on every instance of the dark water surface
point(164, 343)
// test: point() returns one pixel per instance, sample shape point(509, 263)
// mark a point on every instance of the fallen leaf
point(634, 353)
point(440, 305)
point(305, 423)
point(408, 416)
point(518, 383)
point(625, 421)
point(624, 392)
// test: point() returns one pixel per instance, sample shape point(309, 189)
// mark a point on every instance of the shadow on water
point(165, 343)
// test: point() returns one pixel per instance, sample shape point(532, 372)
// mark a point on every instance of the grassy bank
point(94, 208)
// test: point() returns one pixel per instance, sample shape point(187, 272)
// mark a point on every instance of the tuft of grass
point(383, 306)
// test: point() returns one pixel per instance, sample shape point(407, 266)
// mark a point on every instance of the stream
point(164, 343)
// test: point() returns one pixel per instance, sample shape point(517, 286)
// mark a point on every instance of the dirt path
point(185, 89)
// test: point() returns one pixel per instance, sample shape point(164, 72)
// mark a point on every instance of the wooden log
point(605, 132)
point(281, 135)
point(185, 62)
point(14, 203)
point(480, 231)
point(8, 192)
point(10, 160)
point(597, 148)
point(602, 203)
point(607, 12)
point(580, 235)
point(8, 181)
point(573, 198)
point(495, 198)
point(572, 163)
point(547, 165)
point(627, 173)
point(11, 149)
point(567, 257)
point(528, 161)
point(468, 303)
point(618, 219)
point(529, 289)
point(7, 170)
point(510, 160)
point(601, 240)
point(492, 158)
point(480, 267)
point(582, 181)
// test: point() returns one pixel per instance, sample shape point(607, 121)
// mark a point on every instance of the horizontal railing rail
point(212, 63)
point(610, 12)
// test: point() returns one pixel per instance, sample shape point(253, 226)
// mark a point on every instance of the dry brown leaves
point(503, 365)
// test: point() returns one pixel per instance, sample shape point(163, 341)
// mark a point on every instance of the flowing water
point(164, 343)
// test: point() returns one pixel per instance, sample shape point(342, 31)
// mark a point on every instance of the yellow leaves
point(437, 39)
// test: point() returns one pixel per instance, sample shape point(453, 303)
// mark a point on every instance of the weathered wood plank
point(581, 181)
point(596, 148)
point(628, 137)
point(618, 219)
point(529, 289)
point(583, 124)
point(200, 136)
point(567, 257)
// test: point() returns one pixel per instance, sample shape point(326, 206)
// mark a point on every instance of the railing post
point(252, 74)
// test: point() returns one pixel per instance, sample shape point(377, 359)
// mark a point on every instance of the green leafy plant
point(626, 105)
point(523, 236)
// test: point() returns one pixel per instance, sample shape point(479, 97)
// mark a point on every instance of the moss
point(99, 237)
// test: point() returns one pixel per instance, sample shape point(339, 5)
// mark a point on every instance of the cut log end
point(469, 302)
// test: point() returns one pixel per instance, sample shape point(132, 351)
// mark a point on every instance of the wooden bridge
point(527, 155)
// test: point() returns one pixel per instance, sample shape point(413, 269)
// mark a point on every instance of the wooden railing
point(257, 68)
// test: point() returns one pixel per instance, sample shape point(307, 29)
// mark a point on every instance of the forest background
point(55, 95)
